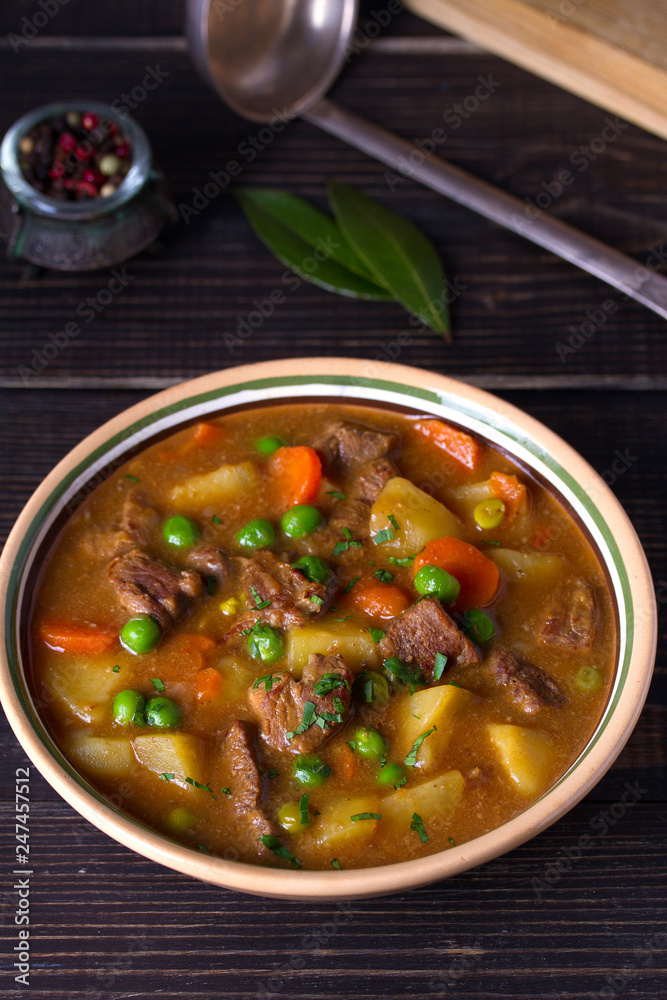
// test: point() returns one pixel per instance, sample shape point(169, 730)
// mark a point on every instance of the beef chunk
point(528, 686)
point(138, 521)
point(371, 480)
point(273, 579)
point(350, 445)
point(209, 561)
point(146, 586)
point(247, 784)
point(571, 622)
point(421, 632)
point(280, 710)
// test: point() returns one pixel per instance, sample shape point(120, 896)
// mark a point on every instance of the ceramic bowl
point(531, 444)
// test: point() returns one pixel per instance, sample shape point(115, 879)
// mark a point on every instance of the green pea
point(588, 679)
point(300, 520)
point(267, 445)
point(126, 704)
point(258, 534)
point(313, 568)
point(180, 532)
point(390, 774)
point(369, 743)
point(181, 819)
point(310, 770)
point(163, 713)
point(140, 634)
point(478, 626)
point(372, 687)
point(265, 643)
point(437, 582)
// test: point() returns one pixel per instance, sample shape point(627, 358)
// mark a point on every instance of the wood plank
point(519, 302)
point(561, 51)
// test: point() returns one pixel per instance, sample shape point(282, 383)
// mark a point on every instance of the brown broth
point(74, 587)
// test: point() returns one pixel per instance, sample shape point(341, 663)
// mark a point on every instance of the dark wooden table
point(107, 923)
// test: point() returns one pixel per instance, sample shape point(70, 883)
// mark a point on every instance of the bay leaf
point(397, 254)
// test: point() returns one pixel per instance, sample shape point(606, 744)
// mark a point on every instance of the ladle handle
point(630, 277)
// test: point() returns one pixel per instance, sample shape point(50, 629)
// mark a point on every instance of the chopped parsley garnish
point(383, 760)
point(279, 849)
point(266, 680)
point(384, 535)
point(198, 784)
point(133, 479)
point(215, 519)
point(440, 664)
point(348, 543)
point(309, 717)
point(384, 576)
point(336, 493)
point(451, 841)
point(259, 603)
point(403, 672)
point(272, 773)
point(487, 542)
point(210, 586)
point(316, 599)
point(345, 619)
point(225, 791)
point(203, 849)
point(167, 776)
point(347, 533)
point(392, 520)
point(376, 634)
point(358, 816)
point(350, 585)
point(411, 759)
point(303, 809)
point(331, 682)
point(418, 826)
point(157, 683)
point(454, 685)
point(405, 561)
point(116, 669)
point(335, 863)
point(400, 782)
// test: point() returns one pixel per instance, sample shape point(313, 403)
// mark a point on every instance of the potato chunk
point(528, 567)
point(101, 756)
point(434, 706)
point(335, 828)
point(434, 800)
point(84, 685)
point(352, 642)
point(218, 486)
point(525, 754)
point(419, 516)
point(172, 753)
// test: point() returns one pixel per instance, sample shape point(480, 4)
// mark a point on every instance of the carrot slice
point(76, 637)
point(207, 683)
point(296, 472)
point(508, 489)
point(378, 600)
point(203, 435)
point(478, 576)
point(460, 446)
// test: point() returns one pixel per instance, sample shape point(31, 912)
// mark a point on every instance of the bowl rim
point(362, 382)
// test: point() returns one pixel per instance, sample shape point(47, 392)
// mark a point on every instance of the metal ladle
point(275, 59)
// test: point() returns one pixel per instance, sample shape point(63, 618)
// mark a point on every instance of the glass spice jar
point(100, 230)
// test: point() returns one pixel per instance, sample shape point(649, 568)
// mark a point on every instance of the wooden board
point(608, 51)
